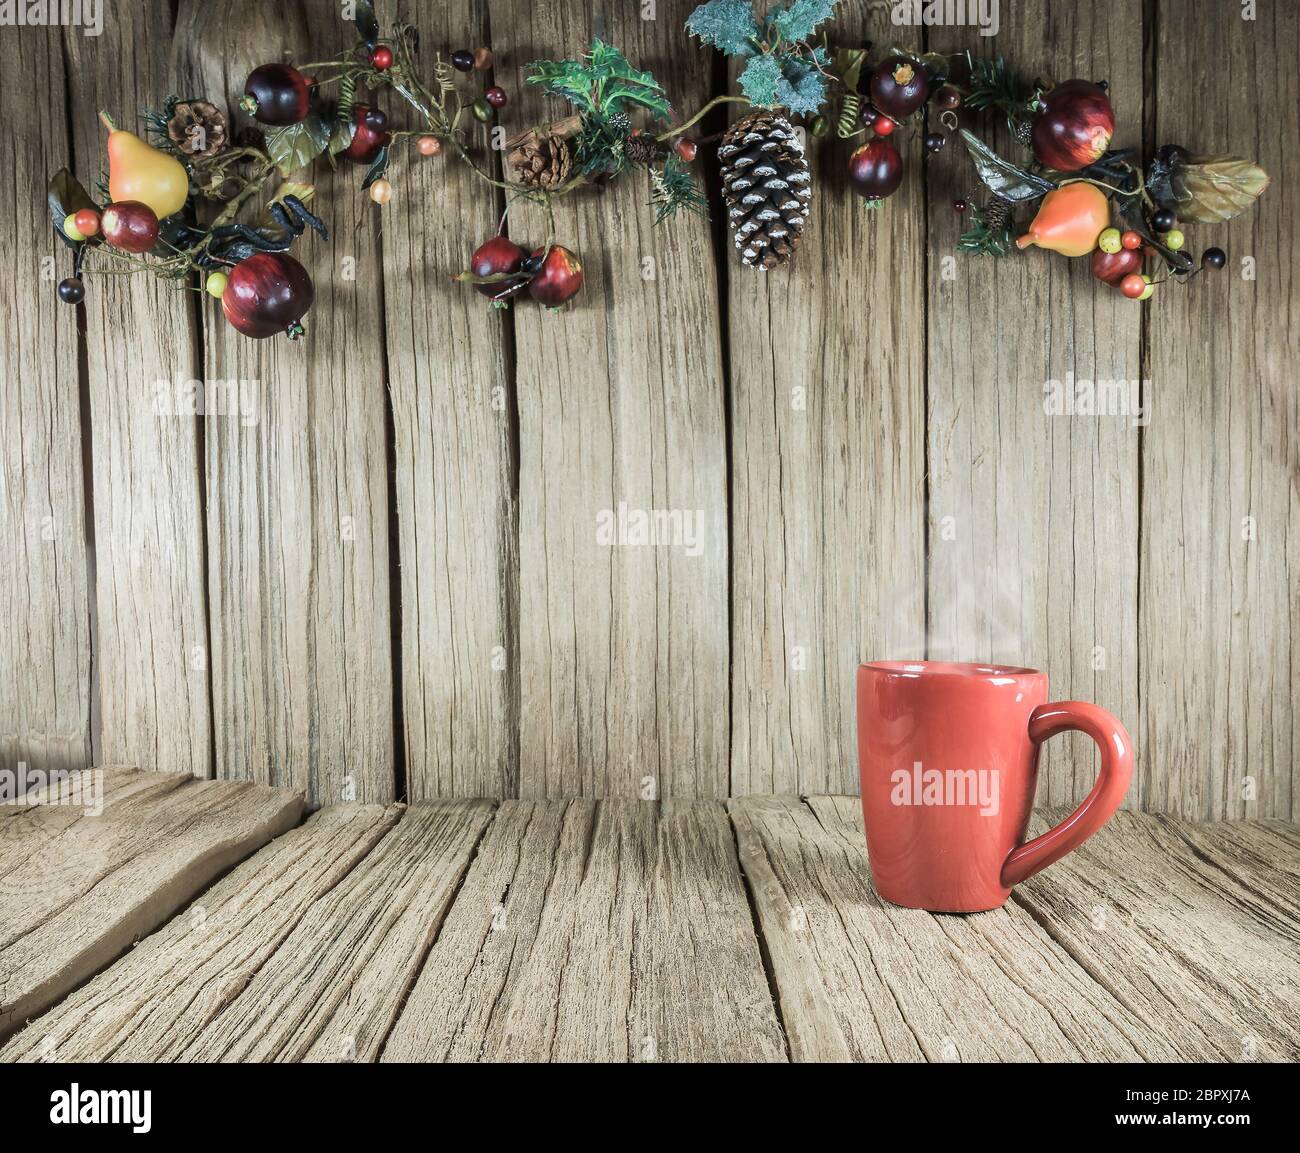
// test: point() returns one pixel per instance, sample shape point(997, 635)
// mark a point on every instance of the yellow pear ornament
point(137, 171)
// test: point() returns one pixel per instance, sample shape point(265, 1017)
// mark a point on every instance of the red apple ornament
point(1112, 267)
point(130, 226)
point(269, 292)
point(369, 135)
point(559, 280)
point(499, 255)
point(876, 169)
point(1074, 127)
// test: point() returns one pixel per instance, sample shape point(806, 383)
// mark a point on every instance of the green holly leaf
point(295, 146)
point(801, 89)
point(728, 25)
point(760, 80)
point(601, 82)
point(799, 20)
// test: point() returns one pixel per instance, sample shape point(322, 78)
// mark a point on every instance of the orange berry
point(429, 145)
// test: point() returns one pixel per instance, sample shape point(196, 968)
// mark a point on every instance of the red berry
point(686, 148)
point(382, 58)
point(429, 145)
point(960, 205)
point(496, 97)
point(1133, 285)
point(87, 221)
point(1131, 239)
point(883, 125)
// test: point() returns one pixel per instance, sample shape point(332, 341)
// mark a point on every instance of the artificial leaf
point(296, 145)
point(1008, 180)
point(1164, 179)
point(367, 25)
point(341, 135)
point(760, 80)
point(66, 196)
point(377, 168)
point(1219, 187)
point(801, 89)
point(800, 18)
point(728, 25)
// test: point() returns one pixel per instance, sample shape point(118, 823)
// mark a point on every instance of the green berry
point(1174, 239)
point(1111, 240)
point(215, 285)
point(70, 229)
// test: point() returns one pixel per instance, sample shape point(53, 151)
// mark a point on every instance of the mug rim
point(972, 670)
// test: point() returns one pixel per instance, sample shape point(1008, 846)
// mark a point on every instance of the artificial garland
point(173, 203)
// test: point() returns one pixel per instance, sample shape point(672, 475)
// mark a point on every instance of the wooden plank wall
point(389, 583)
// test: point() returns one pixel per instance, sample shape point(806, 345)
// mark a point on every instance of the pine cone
point(541, 159)
point(642, 148)
point(767, 187)
point(997, 213)
point(197, 128)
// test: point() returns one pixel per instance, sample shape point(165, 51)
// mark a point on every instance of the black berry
point(376, 119)
point(935, 141)
point(72, 290)
point(959, 206)
point(462, 60)
point(1163, 220)
point(1214, 258)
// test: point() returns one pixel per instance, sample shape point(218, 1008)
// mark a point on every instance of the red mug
point(949, 760)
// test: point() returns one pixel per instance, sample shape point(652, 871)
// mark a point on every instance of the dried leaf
point(296, 145)
point(1218, 188)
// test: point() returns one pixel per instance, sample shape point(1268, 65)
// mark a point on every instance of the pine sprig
point(985, 237)
point(673, 188)
point(994, 84)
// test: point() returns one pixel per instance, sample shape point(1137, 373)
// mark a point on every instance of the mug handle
point(1099, 805)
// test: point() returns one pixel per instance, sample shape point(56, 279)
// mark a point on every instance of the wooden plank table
point(619, 930)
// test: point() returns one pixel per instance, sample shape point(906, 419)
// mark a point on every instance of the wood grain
point(175, 981)
point(332, 988)
point(623, 649)
point(90, 885)
point(826, 405)
point(453, 413)
point(45, 663)
point(151, 594)
point(1177, 940)
point(585, 932)
point(860, 979)
point(1220, 618)
point(1033, 518)
point(297, 497)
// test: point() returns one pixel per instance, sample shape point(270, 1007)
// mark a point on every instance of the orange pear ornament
point(1070, 220)
point(138, 172)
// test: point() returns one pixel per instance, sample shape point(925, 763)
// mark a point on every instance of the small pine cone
point(643, 148)
point(540, 159)
point(197, 128)
point(997, 214)
point(767, 187)
point(1025, 132)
